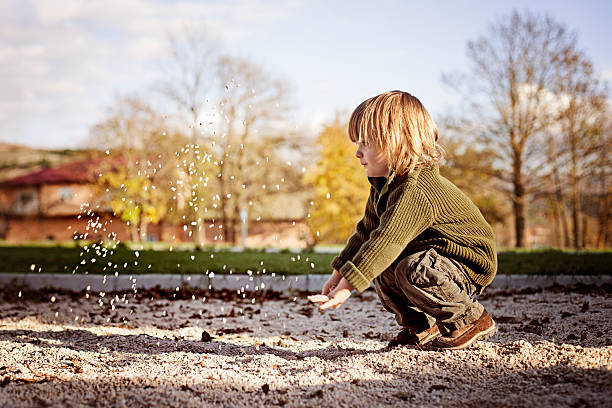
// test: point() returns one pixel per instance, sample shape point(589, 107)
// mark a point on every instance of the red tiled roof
point(75, 172)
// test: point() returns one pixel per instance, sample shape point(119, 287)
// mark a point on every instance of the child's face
point(371, 158)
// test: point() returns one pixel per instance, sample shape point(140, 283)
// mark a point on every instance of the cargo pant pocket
point(438, 276)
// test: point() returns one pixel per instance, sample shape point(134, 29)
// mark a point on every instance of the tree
point(472, 170)
point(135, 199)
point(556, 192)
point(515, 68)
point(134, 183)
point(191, 74)
point(234, 146)
point(340, 187)
point(597, 180)
point(582, 104)
point(249, 141)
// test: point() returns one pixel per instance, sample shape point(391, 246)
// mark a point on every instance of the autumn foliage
point(340, 187)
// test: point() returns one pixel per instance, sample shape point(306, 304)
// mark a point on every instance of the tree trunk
point(200, 234)
point(134, 235)
point(560, 219)
point(603, 213)
point(604, 222)
point(224, 220)
point(584, 230)
point(560, 210)
point(232, 232)
point(558, 198)
point(575, 211)
point(144, 227)
point(566, 237)
point(519, 204)
point(574, 191)
point(556, 222)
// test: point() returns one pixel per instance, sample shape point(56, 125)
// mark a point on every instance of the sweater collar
point(380, 182)
point(383, 183)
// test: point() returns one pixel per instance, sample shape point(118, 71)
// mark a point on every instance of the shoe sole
point(422, 342)
point(429, 338)
point(487, 334)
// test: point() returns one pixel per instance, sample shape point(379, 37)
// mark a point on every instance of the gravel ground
point(553, 349)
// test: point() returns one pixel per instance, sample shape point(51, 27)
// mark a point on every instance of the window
point(25, 198)
point(66, 193)
point(26, 202)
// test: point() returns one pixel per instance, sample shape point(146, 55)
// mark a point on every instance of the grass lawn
point(64, 259)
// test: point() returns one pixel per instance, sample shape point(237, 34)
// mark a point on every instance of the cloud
point(607, 74)
point(61, 62)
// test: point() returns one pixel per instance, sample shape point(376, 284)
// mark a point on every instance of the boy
point(423, 242)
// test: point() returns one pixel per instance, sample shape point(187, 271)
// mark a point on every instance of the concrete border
point(313, 283)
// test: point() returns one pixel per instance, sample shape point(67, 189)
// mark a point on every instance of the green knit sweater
point(411, 213)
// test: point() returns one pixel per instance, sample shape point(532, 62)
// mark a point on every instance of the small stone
point(585, 307)
point(206, 336)
point(437, 387)
point(316, 394)
point(265, 388)
point(571, 337)
point(403, 395)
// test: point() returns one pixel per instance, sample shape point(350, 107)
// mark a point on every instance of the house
point(63, 203)
point(45, 204)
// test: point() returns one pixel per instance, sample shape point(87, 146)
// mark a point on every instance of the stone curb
point(311, 283)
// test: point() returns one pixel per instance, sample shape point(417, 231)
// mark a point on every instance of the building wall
point(282, 234)
point(22, 229)
point(64, 199)
point(20, 200)
point(56, 212)
point(7, 196)
point(260, 234)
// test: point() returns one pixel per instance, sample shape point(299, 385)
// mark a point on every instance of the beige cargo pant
point(426, 288)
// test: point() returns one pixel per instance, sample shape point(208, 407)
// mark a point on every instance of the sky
point(64, 62)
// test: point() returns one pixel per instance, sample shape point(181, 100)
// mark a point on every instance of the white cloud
point(607, 74)
point(50, 12)
point(61, 62)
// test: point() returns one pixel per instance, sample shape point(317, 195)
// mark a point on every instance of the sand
point(553, 349)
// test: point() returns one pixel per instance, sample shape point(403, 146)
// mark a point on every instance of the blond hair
point(400, 126)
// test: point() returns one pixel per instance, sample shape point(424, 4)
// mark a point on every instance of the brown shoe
point(407, 337)
point(481, 329)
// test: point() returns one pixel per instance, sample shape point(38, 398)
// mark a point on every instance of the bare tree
point(556, 191)
point(251, 135)
point(235, 141)
point(133, 182)
point(515, 67)
point(582, 100)
point(598, 177)
point(191, 76)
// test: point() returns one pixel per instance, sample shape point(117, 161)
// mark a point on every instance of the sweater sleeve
point(361, 234)
point(407, 215)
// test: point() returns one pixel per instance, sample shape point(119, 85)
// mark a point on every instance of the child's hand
point(331, 283)
point(336, 297)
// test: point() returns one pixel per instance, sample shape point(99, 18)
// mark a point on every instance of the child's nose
point(358, 153)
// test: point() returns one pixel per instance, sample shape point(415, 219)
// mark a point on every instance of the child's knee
point(430, 272)
point(418, 269)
